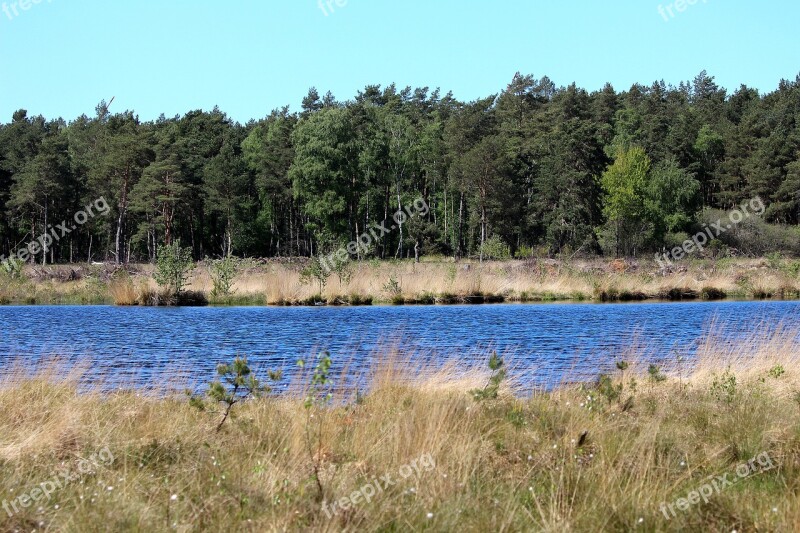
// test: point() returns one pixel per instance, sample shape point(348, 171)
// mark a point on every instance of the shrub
point(13, 268)
point(392, 287)
point(656, 376)
point(173, 265)
point(191, 299)
point(793, 268)
point(316, 271)
point(343, 268)
point(223, 272)
point(775, 260)
point(776, 371)
point(607, 388)
point(753, 236)
point(495, 248)
point(319, 395)
point(711, 293)
point(524, 252)
point(358, 299)
point(724, 387)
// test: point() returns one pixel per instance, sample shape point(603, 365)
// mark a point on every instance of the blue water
point(545, 344)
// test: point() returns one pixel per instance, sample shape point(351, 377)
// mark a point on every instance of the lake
point(546, 343)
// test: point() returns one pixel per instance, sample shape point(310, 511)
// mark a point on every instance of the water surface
point(548, 343)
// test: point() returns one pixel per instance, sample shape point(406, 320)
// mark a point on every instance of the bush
point(223, 273)
point(723, 387)
point(12, 268)
point(607, 388)
point(655, 374)
point(753, 236)
point(192, 299)
point(524, 252)
point(712, 293)
point(173, 265)
point(490, 391)
point(392, 287)
point(495, 248)
point(235, 384)
point(316, 271)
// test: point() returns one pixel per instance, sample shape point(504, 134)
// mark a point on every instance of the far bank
point(434, 281)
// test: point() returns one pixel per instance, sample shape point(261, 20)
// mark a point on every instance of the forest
point(533, 170)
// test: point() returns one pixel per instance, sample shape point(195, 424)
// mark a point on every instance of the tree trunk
point(460, 225)
point(117, 244)
point(399, 209)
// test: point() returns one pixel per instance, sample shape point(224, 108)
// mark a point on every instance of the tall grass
point(123, 292)
point(571, 459)
point(442, 282)
point(525, 281)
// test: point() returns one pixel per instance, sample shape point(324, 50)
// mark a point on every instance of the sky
point(60, 58)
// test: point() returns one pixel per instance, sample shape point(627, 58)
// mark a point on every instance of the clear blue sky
point(61, 57)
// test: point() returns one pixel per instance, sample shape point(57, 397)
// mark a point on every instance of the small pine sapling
point(656, 376)
point(320, 394)
point(490, 391)
point(235, 384)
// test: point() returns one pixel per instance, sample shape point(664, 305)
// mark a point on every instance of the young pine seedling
point(489, 392)
point(235, 384)
point(622, 366)
point(320, 395)
point(656, 376)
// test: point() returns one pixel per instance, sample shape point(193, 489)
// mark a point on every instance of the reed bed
point(598, 456)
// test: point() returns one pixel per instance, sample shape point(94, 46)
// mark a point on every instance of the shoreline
point(438, 282)
point(212, 305)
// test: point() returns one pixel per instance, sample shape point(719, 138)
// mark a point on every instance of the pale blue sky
point(61, 57)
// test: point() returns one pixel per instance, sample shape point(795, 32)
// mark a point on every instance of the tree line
point(534, 169)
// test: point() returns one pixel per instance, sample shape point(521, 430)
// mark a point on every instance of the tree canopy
point(535, 166)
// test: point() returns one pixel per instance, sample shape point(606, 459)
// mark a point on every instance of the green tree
point(121, 155)
point(325, 169)
point(624, 184)
point(673, 198)
point(268, 153)
point(42, 189)
point(160, 192)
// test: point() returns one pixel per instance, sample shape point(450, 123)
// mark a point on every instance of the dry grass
point(123, 292)
point(511, 464)
point(444, 281)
